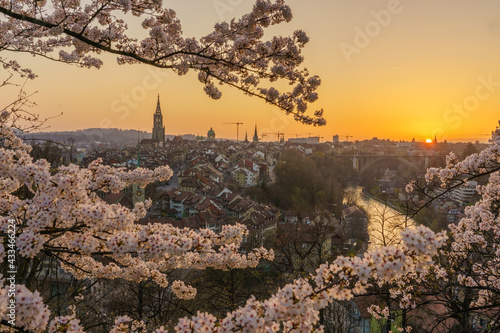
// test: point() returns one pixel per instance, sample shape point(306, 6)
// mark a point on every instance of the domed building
point(211, 135)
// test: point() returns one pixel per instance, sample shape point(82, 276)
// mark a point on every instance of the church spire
point(158, 108)
point(255, 137)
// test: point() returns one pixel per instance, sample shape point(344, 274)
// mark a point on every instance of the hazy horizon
point(241, 138)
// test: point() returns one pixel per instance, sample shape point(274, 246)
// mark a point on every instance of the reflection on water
point(385, 223)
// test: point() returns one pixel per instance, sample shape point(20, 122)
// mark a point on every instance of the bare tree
point(385, 225)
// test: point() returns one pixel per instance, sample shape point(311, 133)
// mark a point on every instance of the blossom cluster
point(66, 324)
point(30, 310)
point(182, 291)
point(377, 312)
point(125, 324)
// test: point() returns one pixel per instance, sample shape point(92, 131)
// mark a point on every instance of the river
point(385, 223)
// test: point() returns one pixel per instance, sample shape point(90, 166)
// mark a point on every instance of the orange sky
point(430, 67)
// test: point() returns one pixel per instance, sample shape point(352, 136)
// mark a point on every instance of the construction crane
point(237, 128)
point(347, 137)
point(281, 136)
point(263, 135)
point(309, 134)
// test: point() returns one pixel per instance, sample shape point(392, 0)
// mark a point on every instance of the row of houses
point(231, 207)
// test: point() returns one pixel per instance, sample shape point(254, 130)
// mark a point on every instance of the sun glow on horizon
point(428, 141)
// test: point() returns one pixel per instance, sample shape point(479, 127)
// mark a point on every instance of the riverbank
point(371, 196)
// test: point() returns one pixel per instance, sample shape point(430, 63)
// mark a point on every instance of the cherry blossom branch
point(233, 54)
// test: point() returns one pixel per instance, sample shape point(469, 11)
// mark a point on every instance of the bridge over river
point(362, 162)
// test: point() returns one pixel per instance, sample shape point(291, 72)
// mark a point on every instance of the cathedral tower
point(158, 128)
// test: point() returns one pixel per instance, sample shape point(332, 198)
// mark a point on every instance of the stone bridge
point(362, 162)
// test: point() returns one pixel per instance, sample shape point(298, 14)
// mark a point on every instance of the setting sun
point(428, 141)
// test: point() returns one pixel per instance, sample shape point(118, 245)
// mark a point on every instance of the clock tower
point(137, 194)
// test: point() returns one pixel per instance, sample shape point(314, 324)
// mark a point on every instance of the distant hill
point(107, 136)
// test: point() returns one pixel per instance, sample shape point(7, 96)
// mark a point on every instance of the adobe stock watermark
point(278, 122)
point(129, 101)
point(223, 6)
point(11, 271)
point(455, 115)
point(485, 88)
point(123, 105)
point(363, 36)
